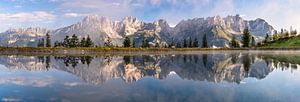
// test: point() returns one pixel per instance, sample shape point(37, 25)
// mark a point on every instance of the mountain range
point(219, 31)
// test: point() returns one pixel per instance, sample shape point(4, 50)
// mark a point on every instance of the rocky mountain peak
point(219, 30)
point(162, 22)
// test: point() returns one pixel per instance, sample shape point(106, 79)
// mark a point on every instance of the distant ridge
point(219, 31)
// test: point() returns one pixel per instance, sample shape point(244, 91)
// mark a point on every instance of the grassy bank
point(284, 43)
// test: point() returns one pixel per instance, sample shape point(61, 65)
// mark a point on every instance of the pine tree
point(172, 44)
point(246, 38)
point(41, 43)
point(164, 45)
point(190, 43)
point(281, 33)
point(56, 44)
point(234, 43)
point(156, 45)
point(286, 34)
point(294, 33)
point(253, 43)
point(89, 42)
point(126, 42)
point(178, 45)
point(38, 43)
point(185, 43)
point(145, 43)
point(74, 42)
point(66, 42)
point(266, 38)
point(83, 42)
point(48, 40)
point(108, 42)
point(275, 36)
point(204, 41)
point(195, 44)
point(133, 43)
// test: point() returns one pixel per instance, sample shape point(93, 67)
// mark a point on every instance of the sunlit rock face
point(22, 36)
point(215, 68)
point(219, 31)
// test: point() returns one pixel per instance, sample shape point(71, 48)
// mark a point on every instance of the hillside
point(292, 42)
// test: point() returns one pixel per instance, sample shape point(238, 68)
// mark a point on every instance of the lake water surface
point(206, 77)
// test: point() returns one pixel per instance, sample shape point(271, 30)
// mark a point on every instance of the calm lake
point(207, 77)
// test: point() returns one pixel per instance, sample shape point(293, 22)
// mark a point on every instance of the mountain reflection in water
point(211, 77)
point(96, 70)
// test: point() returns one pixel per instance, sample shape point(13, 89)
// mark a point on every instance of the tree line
point(68, 42)
point(74, 41)
point(247, 41)
point(44, 42)
point(186, 43)
point(283, 34)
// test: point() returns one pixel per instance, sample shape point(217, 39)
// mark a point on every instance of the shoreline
point(95, 51)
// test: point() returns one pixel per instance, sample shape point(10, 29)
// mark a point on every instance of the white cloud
point(73, 15)
point(36, 16)
point(279, 13)
point(113, 9)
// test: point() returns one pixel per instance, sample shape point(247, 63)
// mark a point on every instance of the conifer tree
point(204, 41)
point(190, 43)
point(234, 43)
point(195, 44)
point(178, 45)
point(56, 44)
point(275, 36)
point(66, 42)
point(48, 40)
point(266, 38)
point(156, 45)
point(253, 43)
point(171, 44)
point(83, 42)
point(89, 42)
point(126, 42)
point(145, 43)
point(286, 34)
point(41, 42)
point(185, 43)
point(74, 41)
point(246, 38)
point(133, 43)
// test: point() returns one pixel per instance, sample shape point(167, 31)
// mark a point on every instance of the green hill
point(291, 42)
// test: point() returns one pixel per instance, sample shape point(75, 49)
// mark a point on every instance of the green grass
point(292, 42)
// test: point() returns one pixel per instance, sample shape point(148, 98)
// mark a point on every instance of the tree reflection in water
point(74, 60)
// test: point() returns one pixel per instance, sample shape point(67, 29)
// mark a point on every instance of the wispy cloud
point(36, 16)
point(74, 14)
point(280, 13)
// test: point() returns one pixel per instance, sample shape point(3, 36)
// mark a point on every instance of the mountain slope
point(22, 37)
point(219, 30)
point(292, 42)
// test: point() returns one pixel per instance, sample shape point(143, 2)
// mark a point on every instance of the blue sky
point(59, 13)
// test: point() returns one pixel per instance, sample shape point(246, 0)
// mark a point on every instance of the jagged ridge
point(219, 30)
